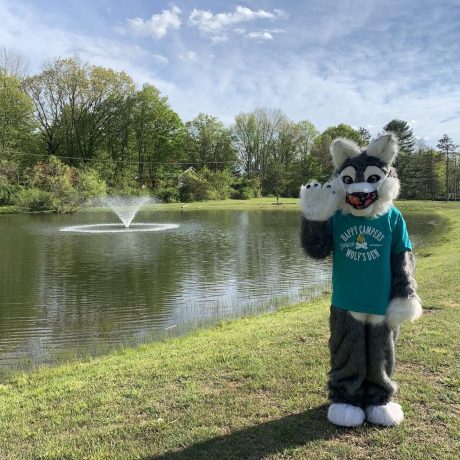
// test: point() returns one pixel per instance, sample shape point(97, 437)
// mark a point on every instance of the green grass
point(249, 388)
point(254, 203)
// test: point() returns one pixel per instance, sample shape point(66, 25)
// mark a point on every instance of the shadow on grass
point(258, 441)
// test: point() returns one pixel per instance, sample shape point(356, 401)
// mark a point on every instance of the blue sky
point(361, 62)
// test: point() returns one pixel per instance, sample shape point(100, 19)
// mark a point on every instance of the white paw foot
point(345, 415)
point(390, 414)
point(319, 202)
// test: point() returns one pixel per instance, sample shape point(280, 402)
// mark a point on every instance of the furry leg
point(345, 415)
point(389, 414)
point(347, 345)
point(380, 352)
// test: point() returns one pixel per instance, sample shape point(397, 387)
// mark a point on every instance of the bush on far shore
point(55, 186)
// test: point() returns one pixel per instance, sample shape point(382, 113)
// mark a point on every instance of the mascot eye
point(347, 180)
point(374, 178)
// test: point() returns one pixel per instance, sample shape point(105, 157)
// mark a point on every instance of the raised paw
point(318, 202)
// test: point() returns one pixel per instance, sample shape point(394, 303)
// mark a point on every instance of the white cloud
point(263, 35)
point(281, 14)
point(189, 56)
point(157, 26)
point(160, 59)
point(217, 25)
point(357, 82)
point(260, 35)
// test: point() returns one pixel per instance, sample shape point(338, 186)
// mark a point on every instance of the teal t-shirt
point(361, 271)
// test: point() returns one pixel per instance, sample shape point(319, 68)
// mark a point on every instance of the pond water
point(65, 294)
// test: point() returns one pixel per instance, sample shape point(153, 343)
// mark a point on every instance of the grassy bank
point(254, 203)
point(251, 388)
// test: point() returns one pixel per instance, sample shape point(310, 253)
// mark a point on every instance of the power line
point(171, 163)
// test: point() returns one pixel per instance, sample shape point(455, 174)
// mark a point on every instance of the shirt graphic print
point(361, 273)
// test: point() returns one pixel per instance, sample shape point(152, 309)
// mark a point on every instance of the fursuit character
point(374, 289)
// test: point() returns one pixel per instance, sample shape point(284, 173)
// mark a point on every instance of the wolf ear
point(385, 148)
point(342, 149)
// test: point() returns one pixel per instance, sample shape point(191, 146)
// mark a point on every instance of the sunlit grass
point(249, 388)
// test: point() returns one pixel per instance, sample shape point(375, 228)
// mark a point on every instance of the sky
point(360, 62)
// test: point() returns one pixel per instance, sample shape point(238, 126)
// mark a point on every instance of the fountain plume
point(126, 208)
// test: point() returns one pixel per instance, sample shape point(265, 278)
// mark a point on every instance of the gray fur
point(360, 163)
point(362, 361)
point(403, 282)
point(316, 238)
point(362, 354)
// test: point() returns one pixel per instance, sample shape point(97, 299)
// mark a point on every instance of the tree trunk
point(447, 176)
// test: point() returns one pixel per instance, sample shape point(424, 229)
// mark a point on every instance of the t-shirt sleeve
point(400, 241)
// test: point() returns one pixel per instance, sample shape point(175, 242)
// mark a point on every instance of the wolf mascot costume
point(374, 289)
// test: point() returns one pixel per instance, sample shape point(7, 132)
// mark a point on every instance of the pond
point(65, 294)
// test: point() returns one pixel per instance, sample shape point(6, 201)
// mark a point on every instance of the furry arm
point(316, 238)
point(405, 303)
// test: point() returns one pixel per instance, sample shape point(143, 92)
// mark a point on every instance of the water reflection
point(73, 293)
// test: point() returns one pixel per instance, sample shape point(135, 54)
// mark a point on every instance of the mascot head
point(365, 179)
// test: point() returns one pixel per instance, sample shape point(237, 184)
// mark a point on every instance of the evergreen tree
point(406, 138)
point(446, 147)
point(365, 135)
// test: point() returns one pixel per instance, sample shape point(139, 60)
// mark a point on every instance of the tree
point(431, 164)
point(209, 142)
point(255, 136)
point(420, 174)
point(321, 147)
point(246, 136)
point(276, 180)
point(75, 103)
point(13, 63)
point(307, 136)
point(446, 147)
point(304, 166)
point(16, 117)
point(365, 135)
point(406, 138)
point(158, 131)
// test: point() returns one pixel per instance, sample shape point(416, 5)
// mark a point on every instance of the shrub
point(245, 189)
point(220, 183)
point(193, 186)
point(9, 182)
point(166, 184)
point(8, 191)
point(65, 189)
point(205, 185)
point(34, 199)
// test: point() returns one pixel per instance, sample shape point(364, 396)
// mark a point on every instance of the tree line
point(76, 131)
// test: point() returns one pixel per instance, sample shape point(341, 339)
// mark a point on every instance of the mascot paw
point(401, 310)
point(390, 414)
point(318, 202)
point(345, 415)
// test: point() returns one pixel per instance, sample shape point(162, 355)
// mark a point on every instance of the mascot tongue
point(361, 200)
point(361, 195)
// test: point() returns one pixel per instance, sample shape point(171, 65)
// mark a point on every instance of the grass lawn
point(249, 388)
